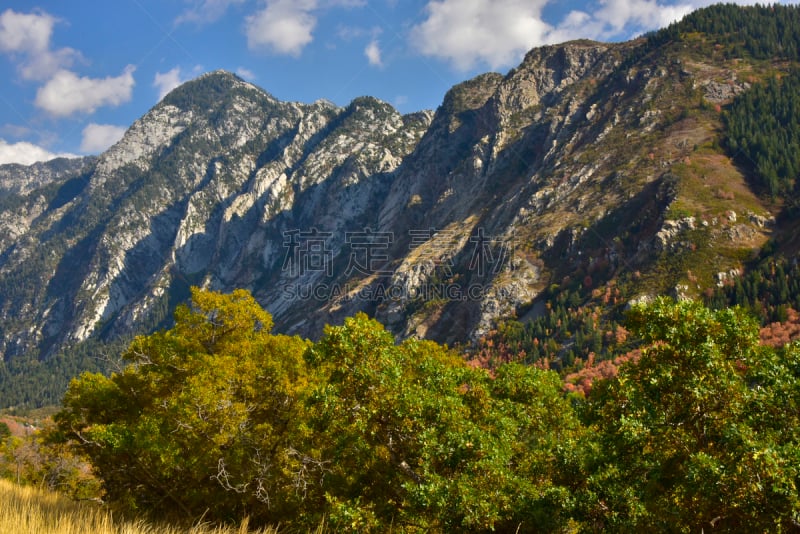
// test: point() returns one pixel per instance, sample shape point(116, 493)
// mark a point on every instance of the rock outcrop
point(436, 223)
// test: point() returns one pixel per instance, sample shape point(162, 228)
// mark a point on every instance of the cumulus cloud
point(497, 33)
point(21, 32)
point(206, 11)
point(26, 153)
point(26, 37)
point(167, 81)
point(615, 16)
point(98, 137)
point(282, 26)
point(373, 53)
point(67, 93)
point(286, 26)
point(623, 19)
point(467, 32)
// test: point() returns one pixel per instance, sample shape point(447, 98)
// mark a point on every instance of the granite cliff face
point(585, 160)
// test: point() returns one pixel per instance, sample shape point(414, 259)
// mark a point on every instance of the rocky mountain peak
point(549, 70)
point(211, 89)
point(580, 167)
point(471, 94)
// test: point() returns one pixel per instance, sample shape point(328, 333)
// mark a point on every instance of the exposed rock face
point(437, 224)
point(199, 190)
point(26, 192)
point(22, 179)
point(666, 237)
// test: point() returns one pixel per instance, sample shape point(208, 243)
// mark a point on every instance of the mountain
point(590, 170)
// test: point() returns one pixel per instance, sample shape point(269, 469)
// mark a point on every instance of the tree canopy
point(218, 417)
point(694, 434)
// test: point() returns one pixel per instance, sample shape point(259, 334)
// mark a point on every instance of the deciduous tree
point(203, 418)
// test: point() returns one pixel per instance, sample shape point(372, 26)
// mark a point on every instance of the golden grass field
point(29, 510)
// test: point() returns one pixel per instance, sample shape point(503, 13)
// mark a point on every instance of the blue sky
point(76, 73)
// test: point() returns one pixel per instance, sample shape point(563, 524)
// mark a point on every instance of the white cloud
point(497, 33)
point(67, 93)
point(282, 27)
point(617, 15)
point(623, 19)
point(286, 26)
point(167, 81)
point(26, 153)
point(246, 73)
point(467, 32)
point(576, 25)
point(42, 66)
point(98, 137)
point(373, 53)
point(27, 37)
point(206, 11)
point(20, 32)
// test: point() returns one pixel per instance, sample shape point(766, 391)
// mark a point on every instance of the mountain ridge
point(587, 167)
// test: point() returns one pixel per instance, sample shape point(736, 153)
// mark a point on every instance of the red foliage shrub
point(780, 334)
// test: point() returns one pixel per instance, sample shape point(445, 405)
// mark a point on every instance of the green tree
point(413, 439)
point(203, 418)
point(701, 432)
point(217, 417)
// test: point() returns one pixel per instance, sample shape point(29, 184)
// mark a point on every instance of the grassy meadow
point(30, 510)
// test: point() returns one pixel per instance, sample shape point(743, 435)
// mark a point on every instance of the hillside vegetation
point(590, 176)
point(219, 418)
point(748, 166)
point(586, 399)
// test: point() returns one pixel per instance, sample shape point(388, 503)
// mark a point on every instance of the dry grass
point(28, 510)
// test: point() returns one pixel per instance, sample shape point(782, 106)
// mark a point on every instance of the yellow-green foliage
point(218, 418)
point(205, 407)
